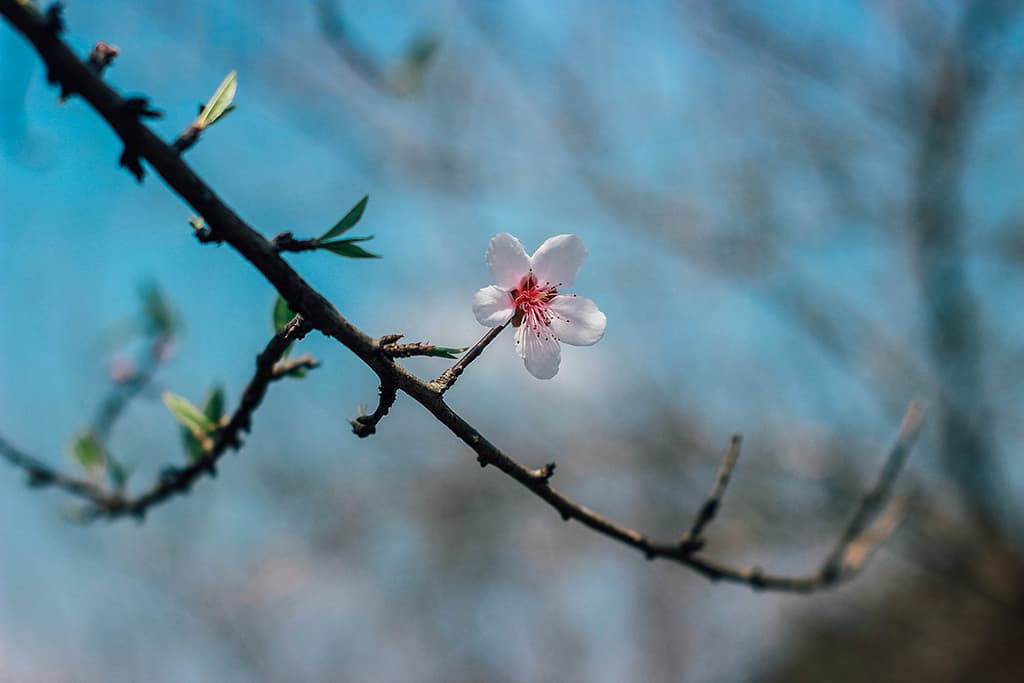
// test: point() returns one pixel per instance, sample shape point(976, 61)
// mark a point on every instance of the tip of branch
point(912, 420)
point(543, 474)
point(362, 429)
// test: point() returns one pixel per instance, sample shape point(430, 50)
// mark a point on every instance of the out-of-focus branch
point(226, 226)
point(692, 540)
point(951, 97)
point(339, 36)
point(103, 502)
point(857, 534)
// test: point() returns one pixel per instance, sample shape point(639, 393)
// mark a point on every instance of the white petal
point(493, 306)
point(507, 260)
point(577, 321)
point(539, 349)
point(558, 260)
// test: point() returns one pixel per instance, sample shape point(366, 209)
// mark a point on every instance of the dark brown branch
point(286, 241)
point(449, 376)
point(692, 540)
point(365, 425)
point(226, 225)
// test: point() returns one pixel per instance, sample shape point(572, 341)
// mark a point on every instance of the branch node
point(542, 475)
point(102, 56)
point(285, 241)
point(689, 546)
point(54, 18)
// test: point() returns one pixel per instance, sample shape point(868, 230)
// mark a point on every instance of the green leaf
point(193, 448)
point(214, 406)
point(190, 417)
point(298, 372)
point(220, 104)
point(346, 223)
point(196, 426)
point(348, 248)
point(159, 318)
point(447, 352)
point(282, 313)
point(88, 450)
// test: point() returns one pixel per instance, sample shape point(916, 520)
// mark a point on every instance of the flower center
point(532, 301)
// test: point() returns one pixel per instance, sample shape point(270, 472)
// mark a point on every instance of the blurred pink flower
point(528, 294)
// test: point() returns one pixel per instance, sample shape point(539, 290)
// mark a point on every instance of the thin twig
point(365, 425)
point(448, 378)
point(141, 143)
point(873, 502)
point(692, 540)
point(286, 241)
point(295, 367)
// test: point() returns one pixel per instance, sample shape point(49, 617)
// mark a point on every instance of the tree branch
point(692, 540)
point(173, 480)
point(449, 376)
point(225, 225)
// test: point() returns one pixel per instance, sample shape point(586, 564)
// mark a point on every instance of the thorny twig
point(140, 142)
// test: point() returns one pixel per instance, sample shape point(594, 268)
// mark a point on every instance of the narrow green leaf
point(348, 248)
point(190, 417)
point(447, 352)
point(282, 313)
point(298, 372)
point(214, 406)
point(346, 223)
point(219, 104)
point(88, 451)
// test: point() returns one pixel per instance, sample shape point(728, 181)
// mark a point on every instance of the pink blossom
point(529, 294)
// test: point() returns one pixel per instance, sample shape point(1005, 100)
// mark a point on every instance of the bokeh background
point(800, 216)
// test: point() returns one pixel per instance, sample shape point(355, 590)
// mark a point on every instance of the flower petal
point(493, 306)
point(507, 260)
point(539, 349)
point(558, 260)
point(577, 320)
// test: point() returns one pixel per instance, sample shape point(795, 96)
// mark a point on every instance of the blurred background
point(800, 216)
